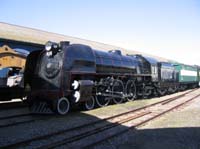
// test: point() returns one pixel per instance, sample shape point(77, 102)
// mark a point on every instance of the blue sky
point(167, 28)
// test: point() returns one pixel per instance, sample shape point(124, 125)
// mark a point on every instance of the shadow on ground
point(164, 138)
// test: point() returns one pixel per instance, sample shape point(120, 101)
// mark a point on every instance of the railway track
point(15, 113)
point(10, 112)
point(142, 122)
point(23, 118)
point(81, 136)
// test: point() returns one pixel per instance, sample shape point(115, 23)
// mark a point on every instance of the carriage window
point(153, 69)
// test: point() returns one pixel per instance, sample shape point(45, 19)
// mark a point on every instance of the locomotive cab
point(148, 65)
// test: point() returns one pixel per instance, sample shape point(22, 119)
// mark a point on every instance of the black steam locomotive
point(65, 74)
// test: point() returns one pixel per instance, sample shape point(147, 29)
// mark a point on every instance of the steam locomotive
point(64, 75)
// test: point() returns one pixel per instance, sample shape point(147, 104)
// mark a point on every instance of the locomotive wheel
point(176, 88)
point(61, 106)
point(146, 92)
point(102, 101)
point(183, 87)
point(171, 90)
point(117, 90)
point(89, 104)
point(161, 91)
point(130, 90)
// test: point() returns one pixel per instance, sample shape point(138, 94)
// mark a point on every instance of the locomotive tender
point(65, 74)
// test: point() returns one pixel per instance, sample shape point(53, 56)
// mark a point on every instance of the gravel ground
point(54, 123)
point(179, 129)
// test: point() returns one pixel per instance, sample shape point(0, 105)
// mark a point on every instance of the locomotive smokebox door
point(83, 91)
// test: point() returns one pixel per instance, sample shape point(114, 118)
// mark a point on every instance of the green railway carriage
point(198, 75)
point(188, 75)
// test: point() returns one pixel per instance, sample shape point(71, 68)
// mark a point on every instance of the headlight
point(48, 46)
point(52, 48)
